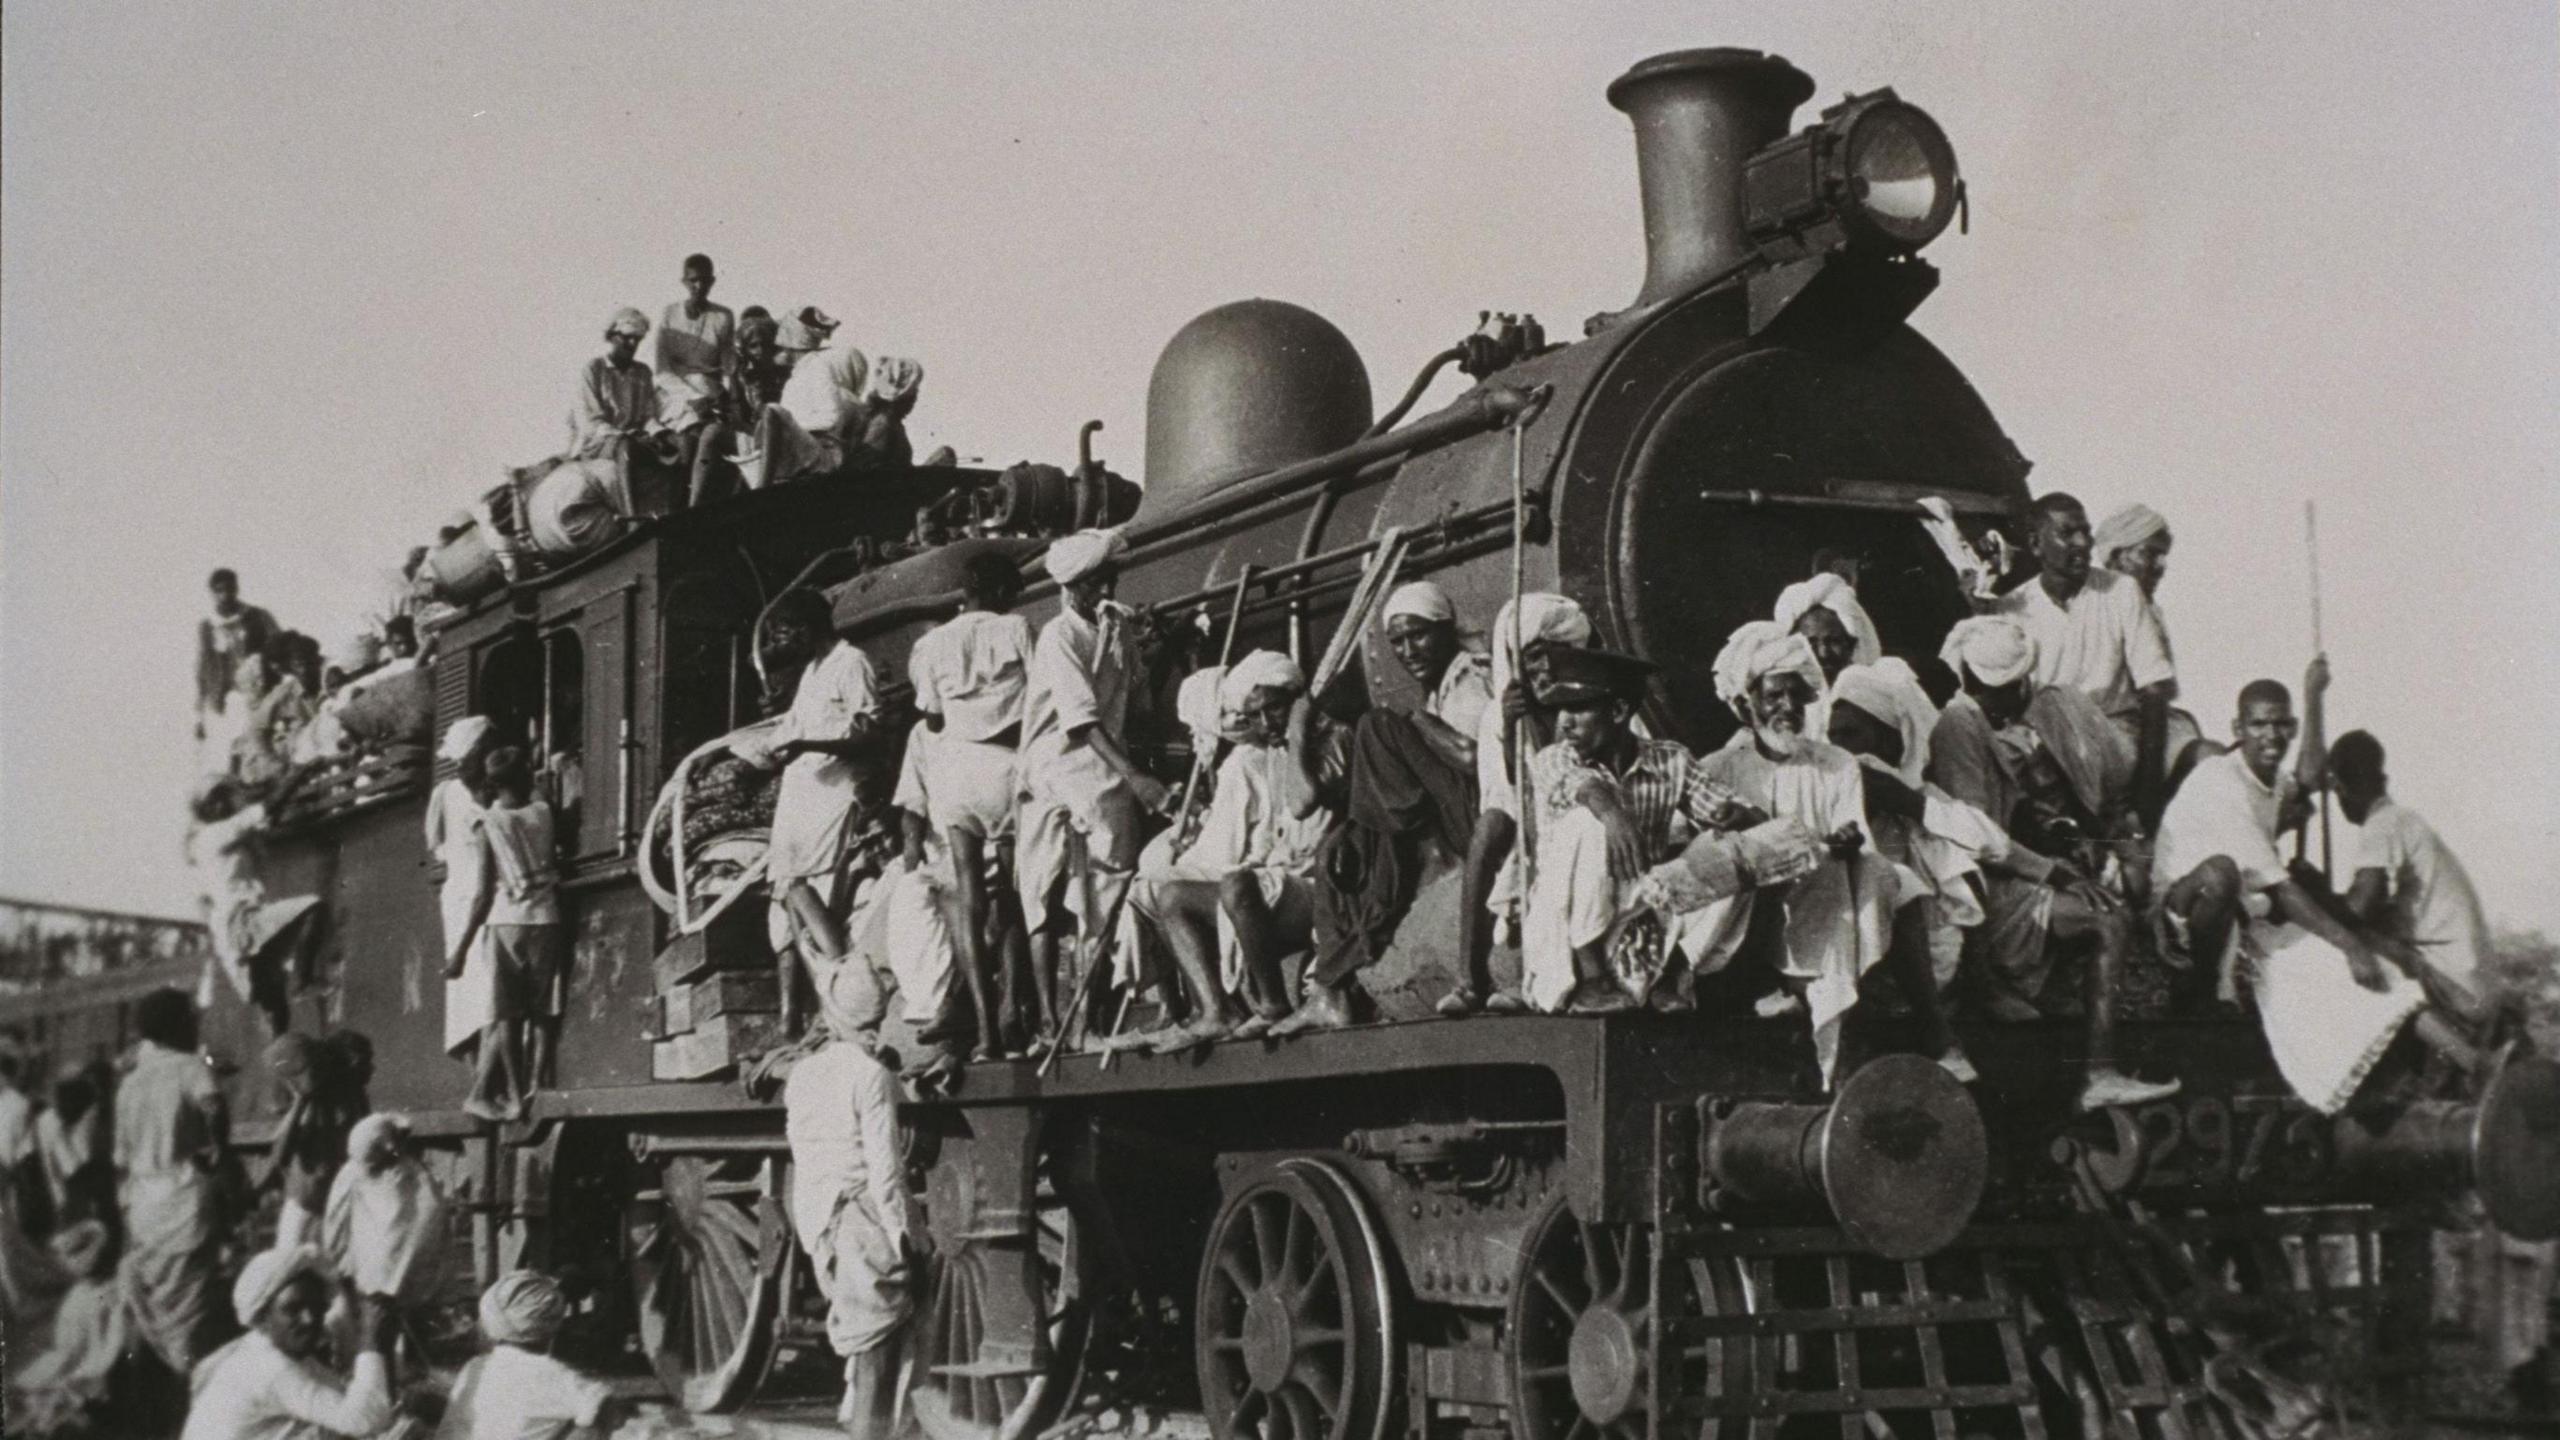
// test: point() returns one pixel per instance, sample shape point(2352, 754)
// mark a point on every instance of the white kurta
point(450, 813)
point(1248, 829)
point(2106, 642)
point(1079, 676)
point(1840, 917)
point(2433, 905)
point(820, 794)
point(849, 1200)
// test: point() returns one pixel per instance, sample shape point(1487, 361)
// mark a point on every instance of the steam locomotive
point(1561, 1228)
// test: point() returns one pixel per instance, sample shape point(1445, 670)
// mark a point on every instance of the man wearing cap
point(1245, 880)
point(849, 1201)
point(833, 747)
point(1079, 786)
point(969, 674)
point(1411, 775)
point(1611, 805)
point(2096, 632)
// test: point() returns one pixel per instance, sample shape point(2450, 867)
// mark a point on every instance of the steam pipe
point(1474, 413)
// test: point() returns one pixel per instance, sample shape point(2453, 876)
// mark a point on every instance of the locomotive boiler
point(1556, 1227)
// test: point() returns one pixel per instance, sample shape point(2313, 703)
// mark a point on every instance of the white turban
point(1891, 694)
point(849, 1000)
point(1073, 557)
point(1995, 648)
point(2125, 529)
point(894, 378)
point(1836, 595)
point(1195, 704)
point(1552, 619)
point(266, 1275)
point(1261, 670)
point(523, 1307)
point(1422, 600)
point(1762, 647)
point(628, 319)
point(362, 1135)
point(464, 736)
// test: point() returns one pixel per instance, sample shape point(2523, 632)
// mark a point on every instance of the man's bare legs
point(968, 921)
point(2208, 899)
point(2100, 934)
point(1496, 832)
point(1915, 975)
point(1185, 912)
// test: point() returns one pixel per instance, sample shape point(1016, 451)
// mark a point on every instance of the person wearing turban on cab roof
point(2134, 542)
point(1610, 908)
point(270, 1384)
point(1246, 880)
point(1411, 775)
point(1077, 836)
point(1947, 855)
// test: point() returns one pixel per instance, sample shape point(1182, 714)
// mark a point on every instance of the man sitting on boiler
point(1614, 896)
point(1243, 884)
point(2331, 995)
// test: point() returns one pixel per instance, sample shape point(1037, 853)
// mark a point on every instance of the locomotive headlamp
point(1874, 174)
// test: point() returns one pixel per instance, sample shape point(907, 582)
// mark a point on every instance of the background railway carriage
point(1563, 1228)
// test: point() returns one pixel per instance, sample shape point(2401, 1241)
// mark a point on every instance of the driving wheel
point(710, 1254)
point(1295, 1322)
point(1582, 1318)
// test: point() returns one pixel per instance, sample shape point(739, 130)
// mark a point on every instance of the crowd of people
point(2004, 829)
point(124, 1205)
point(731, 401)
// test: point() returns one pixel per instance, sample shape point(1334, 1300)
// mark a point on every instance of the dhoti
point(168, 1268)
point(2325, 1030)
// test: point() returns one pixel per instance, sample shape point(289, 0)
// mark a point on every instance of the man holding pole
point(1078, 782)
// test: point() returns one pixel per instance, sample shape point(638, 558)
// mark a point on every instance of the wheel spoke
point(1298, 1225)
point(1309, 1339)
point(1593, 1282)
point(1266, 1243)
point(1568, 1306)
point(1233, 1269)
point(1303, 1423)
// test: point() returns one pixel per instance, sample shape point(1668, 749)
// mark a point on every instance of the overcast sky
point(282, 284)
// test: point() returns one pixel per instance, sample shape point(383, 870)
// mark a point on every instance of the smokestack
point(1698, 115)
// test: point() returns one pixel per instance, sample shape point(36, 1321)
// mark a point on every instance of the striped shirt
point(1664, 789)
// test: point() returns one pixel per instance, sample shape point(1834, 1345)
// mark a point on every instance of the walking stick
point(1517, 761)
point(2302, 837)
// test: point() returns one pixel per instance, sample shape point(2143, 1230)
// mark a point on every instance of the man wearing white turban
point(2050, 770)
point(2135, 542)
point(451, 808)
point(1825, 611)
point(615, 419)
point(2096, 632)
point(1079, 786)
point(1838, 918)
point(1244, 882)
point(1947, 856)
point(1508, 732)
point(849, 1201)
point(269, 1384)
point(517, 1391)
point(1410, 777)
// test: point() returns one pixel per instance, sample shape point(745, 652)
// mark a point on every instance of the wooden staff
point(1519, 733)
